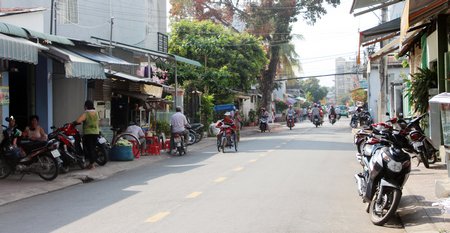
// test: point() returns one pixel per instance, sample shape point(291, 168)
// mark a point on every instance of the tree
point(314, 92)
point(231, 61)
point(359, 95)
point(270, 19)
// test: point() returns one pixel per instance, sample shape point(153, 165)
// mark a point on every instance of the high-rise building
point(346, 78)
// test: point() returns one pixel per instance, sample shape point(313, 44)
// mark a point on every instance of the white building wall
point(32, 20)
point(136, 22)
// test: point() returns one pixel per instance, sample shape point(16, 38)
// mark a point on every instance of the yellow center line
point(220, 179)
point(194, 195)
point(252, 161)
point(157, 217)
point(238, 169)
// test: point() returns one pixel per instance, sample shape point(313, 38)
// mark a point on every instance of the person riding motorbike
point(265, 114)
point(290, 112)
point(332, 112)
point(178, 124)
point(226, 121)
point(315, 111)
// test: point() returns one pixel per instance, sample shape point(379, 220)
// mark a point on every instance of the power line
point(316, 76)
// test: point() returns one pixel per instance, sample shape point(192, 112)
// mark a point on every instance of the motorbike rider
point(265, 115)
point(178, 124)
point(290, 112)
point(315, 112)
point(332, 112)
point(226, 121)
point(12, 131)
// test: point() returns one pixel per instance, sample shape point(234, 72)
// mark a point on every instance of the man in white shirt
point(178, 123)
point(138, 133)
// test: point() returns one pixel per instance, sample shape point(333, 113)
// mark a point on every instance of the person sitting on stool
point(138, 133)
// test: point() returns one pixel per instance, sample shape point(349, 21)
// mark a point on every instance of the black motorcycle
point(195, 133)
point(365, 119)
point(263, 124)
point(354, 120)
point(28, 156)
point(385, 171)
point(316, 121)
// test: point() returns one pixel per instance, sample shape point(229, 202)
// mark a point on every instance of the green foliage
point(252, 115)
point(417, 88)
point(314, 92)
point(163, 127)
point(359, 95)
point(207, 109)
point(231, 61)
point(280, 106)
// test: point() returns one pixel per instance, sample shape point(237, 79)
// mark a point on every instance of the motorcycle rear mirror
point(387, 114)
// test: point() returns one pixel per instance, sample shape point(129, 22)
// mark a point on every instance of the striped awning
point(77, 66)
point(18, 49)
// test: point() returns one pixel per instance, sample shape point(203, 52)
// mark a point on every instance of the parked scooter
point(385, 171)
point(70, 137)
point(27, 157)
point(195, 133)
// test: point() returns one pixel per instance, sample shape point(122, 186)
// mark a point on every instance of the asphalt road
point(298, 180)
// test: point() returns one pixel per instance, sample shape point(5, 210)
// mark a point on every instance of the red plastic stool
point(135, 149)
point(155, 149)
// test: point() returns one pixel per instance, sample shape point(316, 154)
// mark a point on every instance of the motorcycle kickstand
point(368, 207)
point(20, 179)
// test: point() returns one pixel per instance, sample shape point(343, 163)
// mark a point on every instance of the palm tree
point(289, 64)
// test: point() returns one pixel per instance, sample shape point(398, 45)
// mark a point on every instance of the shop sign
point(152, 90)
point(4, 95)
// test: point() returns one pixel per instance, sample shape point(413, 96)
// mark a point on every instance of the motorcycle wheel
point(102, 154)
point(180, 150)
point(198, 137)
point(64, 168)
point(218, 145)
point(50, 165)
point(222, 145)
point(235, 142)
point(353, 124)
point(192, 138)
point(380, 213)
point(424, 159)
point(5, 170)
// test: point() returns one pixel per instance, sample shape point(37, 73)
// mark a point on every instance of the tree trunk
point(267, 80)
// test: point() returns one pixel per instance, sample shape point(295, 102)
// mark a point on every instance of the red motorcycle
point(226, 138)
point(71, 147)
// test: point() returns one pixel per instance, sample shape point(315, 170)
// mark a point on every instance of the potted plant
point(252, 117)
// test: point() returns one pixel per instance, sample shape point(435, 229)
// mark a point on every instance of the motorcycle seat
point(29, 146)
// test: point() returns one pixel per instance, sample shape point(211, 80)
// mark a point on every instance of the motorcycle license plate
point(55, 153)
point(102, 140)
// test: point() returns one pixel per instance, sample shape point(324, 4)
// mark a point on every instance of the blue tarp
point(224, 107)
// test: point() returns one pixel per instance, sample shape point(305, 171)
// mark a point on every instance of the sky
point(334, 35)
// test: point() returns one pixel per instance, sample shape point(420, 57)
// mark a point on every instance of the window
point(67, 11)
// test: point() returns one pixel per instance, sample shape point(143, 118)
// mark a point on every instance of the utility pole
point(51, 15)
point(110, 36)
point(382, 73)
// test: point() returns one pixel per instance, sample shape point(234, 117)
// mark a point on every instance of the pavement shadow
point(414, 210)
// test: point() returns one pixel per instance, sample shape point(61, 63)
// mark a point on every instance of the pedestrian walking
point(91, 130)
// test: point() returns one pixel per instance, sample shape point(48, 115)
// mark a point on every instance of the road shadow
point(414, 210)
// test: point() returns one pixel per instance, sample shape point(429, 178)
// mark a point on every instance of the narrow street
point(298, 180)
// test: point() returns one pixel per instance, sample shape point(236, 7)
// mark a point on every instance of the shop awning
point(77, 66)
point(99, 56)
point(136, 95)
point(381, 32)
point(423, 9)
point(128, 77)
point(19, 49)
point(49, 37)
point(389, 48)
point(375, 4)
point(149, 51)
point(443, 98)
point(12, 30)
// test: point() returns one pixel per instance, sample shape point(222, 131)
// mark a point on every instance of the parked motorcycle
point(195, 133)
point(71, 146)
point(290, 121)
point(226, 138)
point(385, 171)
point(365, 119)
point(28, 157)
point(263, 121)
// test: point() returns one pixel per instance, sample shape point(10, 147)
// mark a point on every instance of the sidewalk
point(13, 189)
